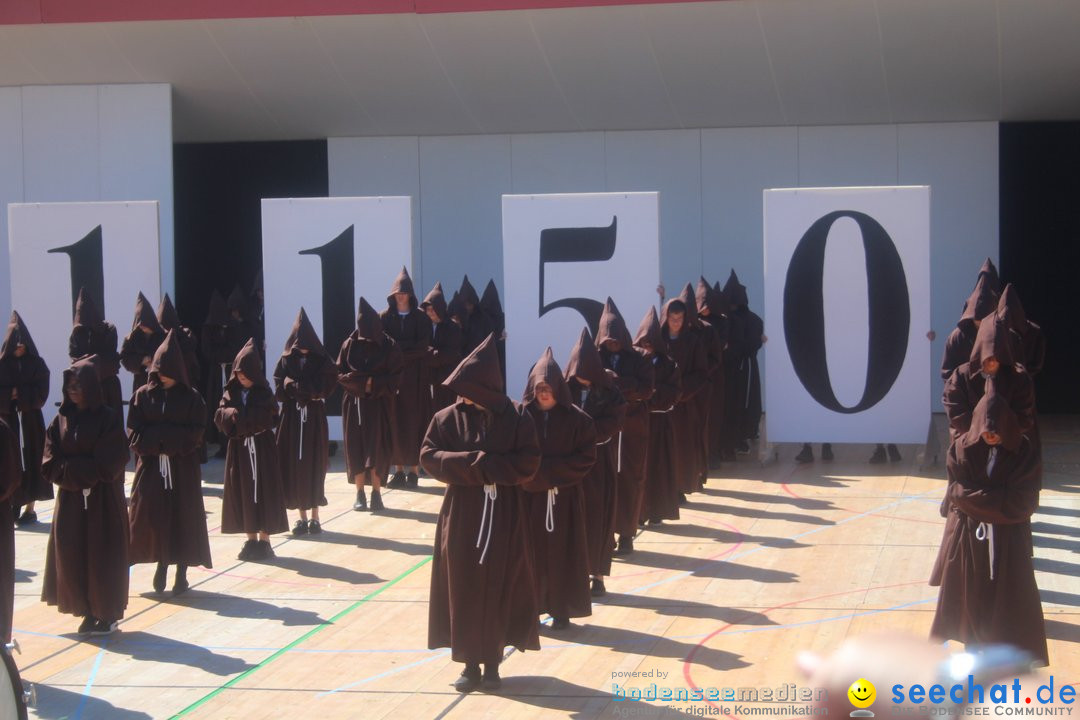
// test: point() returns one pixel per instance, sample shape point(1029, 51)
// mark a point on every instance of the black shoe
point(806, 455)
point(361, 501)
point(29, 517)
point(160, 576)
point(376, 501)
point(397, 480)
point(598, 589)
point(742, 448)
point(682, 498)
point(491, 680)
point(469, 679)
point(264, 551)
point(86, 626)
point(103, 627)
point(300, 528)
point(894, 453)
point(412, 480)
point(879, 456)
point(656, 522)
point(826, 451)
point(560, 623)
point(313, 527)
point(180, 585)
point(625, 546)
point(248, 551)
point(333, 448)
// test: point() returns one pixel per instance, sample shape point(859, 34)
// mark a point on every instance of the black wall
point(1040, 246)
point(218, 188)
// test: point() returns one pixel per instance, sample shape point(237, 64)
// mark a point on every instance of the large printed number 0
point(889, 312)
point(567, 245)
point(87, 268)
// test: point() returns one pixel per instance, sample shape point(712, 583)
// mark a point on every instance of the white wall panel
point(11, 180)
point(61, 154)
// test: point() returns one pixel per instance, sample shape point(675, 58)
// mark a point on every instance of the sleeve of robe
point(1005, 503)
point(1022, 401)
point(184, 436)
point(953, 357)
point(958, 406)
point(108, 359)
point(609, 422)
point(353, 382)
point(145, 438)
point(414, 347)
point(638, 385)
point(388, 381)
point(326, 380)
point(289, 388)
point(79, 472)
point(521, 462)
point(238, 421)
point(571, 467)
point(695, 373)
point(448, 466)
point(667, 390)
point(10, 467)
point(35, 391)
point(449, 355)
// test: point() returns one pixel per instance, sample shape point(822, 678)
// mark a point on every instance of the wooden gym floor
point(765, 562)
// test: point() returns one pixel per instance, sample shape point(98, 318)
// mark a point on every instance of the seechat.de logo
point(862, 695)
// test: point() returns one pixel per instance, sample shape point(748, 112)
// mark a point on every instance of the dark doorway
point(1040, 245)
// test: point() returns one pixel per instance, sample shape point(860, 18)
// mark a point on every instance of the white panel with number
point(563, 256)
point(847, 310)
point(111, 248)
point(323, 254)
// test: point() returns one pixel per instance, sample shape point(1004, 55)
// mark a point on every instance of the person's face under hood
point(992, 348)
point(249, 363)
point(585, 364)
point(547, 372)
point(994, 423)
point(168, 361)
point(434, 304)
point(402, 297)
point(612, 329)
point(82, 387)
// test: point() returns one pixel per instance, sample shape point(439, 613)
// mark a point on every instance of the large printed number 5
point(568, 245)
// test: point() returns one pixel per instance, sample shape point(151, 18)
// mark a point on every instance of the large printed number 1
point(889, 312)
point(567, 245)
point(87, 268)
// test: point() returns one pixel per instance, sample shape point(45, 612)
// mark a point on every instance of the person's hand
point(764, 338)
point(931, 336)
point(368, 385)
point(661, 292)
point(503, 335)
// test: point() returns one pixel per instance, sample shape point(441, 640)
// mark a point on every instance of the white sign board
point(111, 248)
point(563, 256)
point(323, 254)
point(847, 309)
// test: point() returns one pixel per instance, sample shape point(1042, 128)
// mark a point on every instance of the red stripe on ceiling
point(19, 12)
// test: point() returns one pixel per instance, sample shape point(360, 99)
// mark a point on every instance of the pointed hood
point(479, 377)
point(237, 301)
point(649, 331)
point(437, 301)
point(219, 311)
point(690, 301)
point(489, 301)
point(168, 360)
point(88, 374)
point(613, 327)
point(402, 284)
point(468, 293)
point(249, 361)
point(17, 332)
point(585, 362)
point(992, 340)
point(735, 291)
point(368, 324)
point(982, 302)
point(991, 274)
point(1010, 307)
point(144, 315)
point(87, 313)
point(547, 371)
point(167, 316)
point(455, 308)
point(993, 414)
point(303, 336)
point(705, 296)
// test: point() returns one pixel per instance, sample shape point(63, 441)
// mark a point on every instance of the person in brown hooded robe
point(592, 388)
point(982, 302)
point(482, 594)
point(1029, 343)
point(165, 421)
point(712, 314)
point(746, 390)
point(554, 498)
point(491, 306)
point(256, 312)
point(632, 374)
point(218, 354)
point(86, 451)
point(410, 407)
point(241, 328)
point(984, 569)
point(660, 498)
point(699, 407)
point(684, 346)
point(24, 388)
point(170, 320)
point(369, 370)
point(10, 478)
point(475, 324)
point(253, 501)
point(92, 335)
point(304, 377)
point(444, 352)
point(456, 310)
point(138, 348)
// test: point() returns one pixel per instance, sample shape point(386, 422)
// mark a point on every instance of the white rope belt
point(302, 409)
point(985, 532)
point(22, 442)
point(85, 501)
point(249, 443)
point(618, 459)
point(359, 420)
point(661, 412)
point(223, 373)
point(488, 518)
point(165, 468)
point(749, 381)
point(549, 519)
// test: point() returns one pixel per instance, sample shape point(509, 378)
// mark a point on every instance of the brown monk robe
point(165, 421)
point(1029, 343)
point(698, 408)
point(660, 498)
point(493, 311)
point(554, 498)
point(982, 302)
point(304, 377)
point(444, 353)
point(218, 354)
point(482, 587)
point(24, 389)
point(991, 273)
point(712, 312)
point(241, 329)
point(141, 343)
point(410, 407)
point(86, 450)
point(10, 478)
point(747, 398)
point(170, 320)
point(253, 501)
point(475, 324)
point(988, 591)
point(632, 374)
point(92, 335)
point(369, 369)
point(684, 346)
point(592, 388)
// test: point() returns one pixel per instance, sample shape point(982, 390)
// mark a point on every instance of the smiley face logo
point(862, 693)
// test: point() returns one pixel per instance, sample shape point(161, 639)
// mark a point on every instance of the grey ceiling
point(710, 64)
